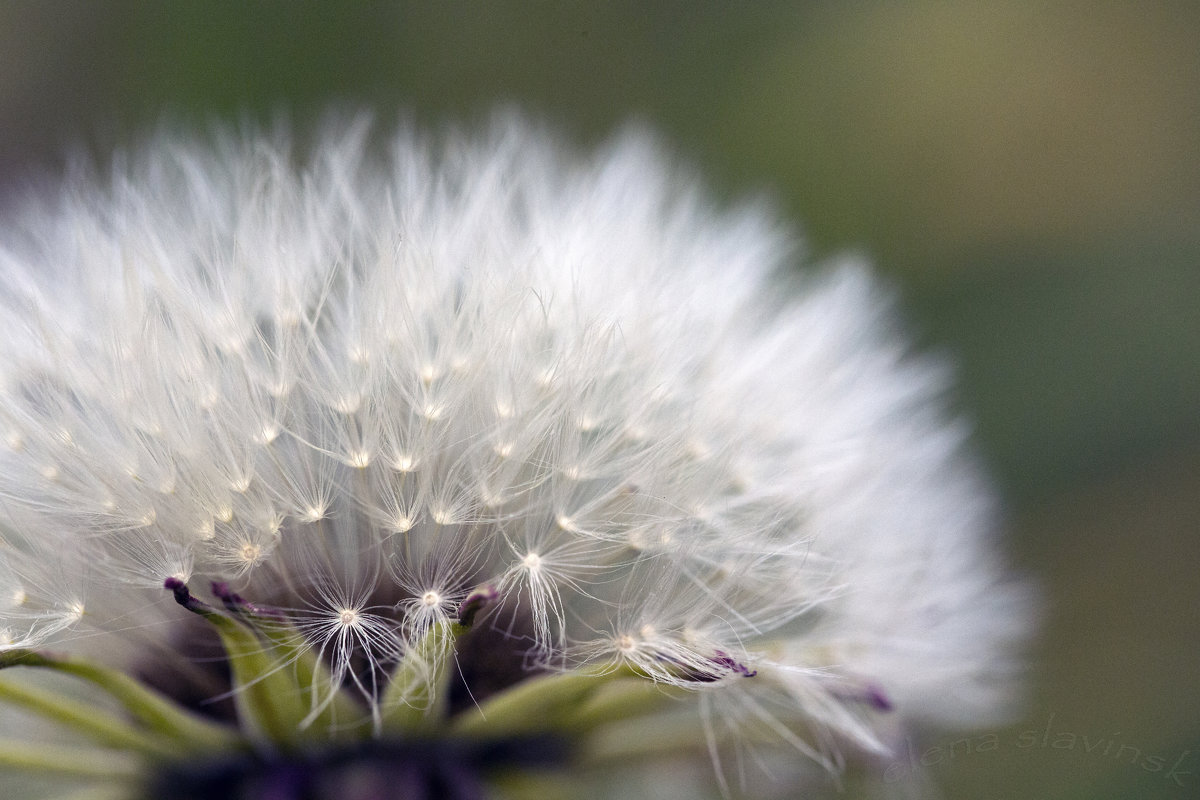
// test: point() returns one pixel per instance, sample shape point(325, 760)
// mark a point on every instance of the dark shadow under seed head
point(422, 769)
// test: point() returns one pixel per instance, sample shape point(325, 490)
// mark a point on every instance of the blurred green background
point(1027, 174)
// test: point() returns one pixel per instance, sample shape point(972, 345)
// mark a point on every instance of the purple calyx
point(236, 604)
point(475, 602)
point(723, 659)
point(185, 598)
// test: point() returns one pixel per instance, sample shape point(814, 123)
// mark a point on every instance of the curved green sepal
point(268, 698)
point(536, 704)
point(416, 694)
point(79, 762)
point(330, 709)
point(619, 699)
point(96, 723)
point(157, 713)
point(621, 742)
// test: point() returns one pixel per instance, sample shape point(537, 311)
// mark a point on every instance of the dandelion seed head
point(363, 390)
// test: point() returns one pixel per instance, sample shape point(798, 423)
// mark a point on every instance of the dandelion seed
point(267, 434)
point(432, 411)
point(421, 470)
point(312, 514)
point(359, 459)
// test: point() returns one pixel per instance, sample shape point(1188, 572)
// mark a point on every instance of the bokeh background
point(1027, 175)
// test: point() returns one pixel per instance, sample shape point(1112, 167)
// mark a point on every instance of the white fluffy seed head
point(486, 363)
